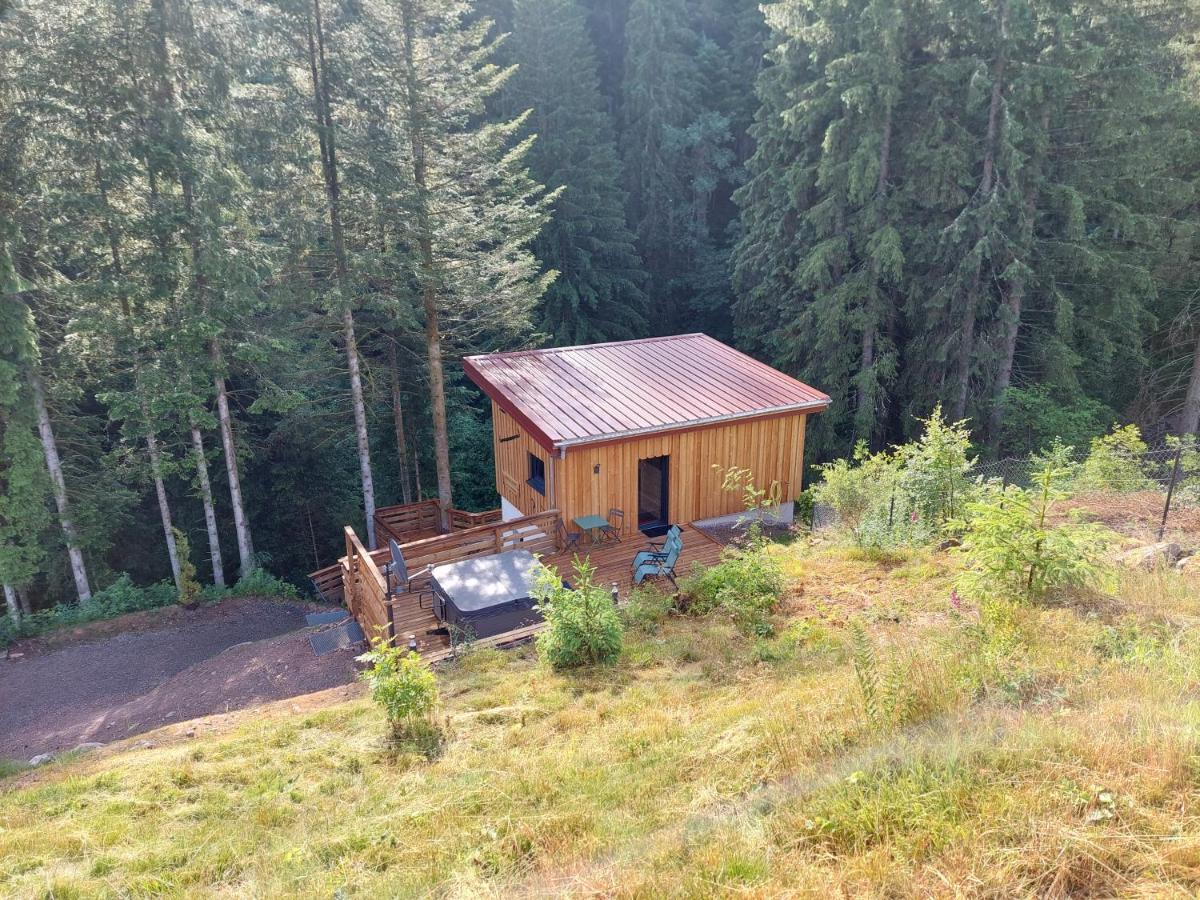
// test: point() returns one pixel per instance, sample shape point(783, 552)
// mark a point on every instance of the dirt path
point(211, 660)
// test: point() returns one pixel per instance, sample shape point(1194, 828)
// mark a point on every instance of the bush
point(1014, 552)
point(261, 583)
point(1114, 463)
point(936, 469)
point(582, 624)
point(646, 609)
point(746, 585)
point(190, 591)
point(403, 684)
point(119, 598)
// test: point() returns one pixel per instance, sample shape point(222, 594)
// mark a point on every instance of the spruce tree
point(597, 295)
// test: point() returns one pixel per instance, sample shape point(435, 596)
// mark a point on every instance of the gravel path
point(214, 659)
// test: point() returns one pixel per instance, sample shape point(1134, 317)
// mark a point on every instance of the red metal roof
point(603, 392)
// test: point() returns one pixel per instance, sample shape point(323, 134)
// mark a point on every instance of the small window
point(537, 474)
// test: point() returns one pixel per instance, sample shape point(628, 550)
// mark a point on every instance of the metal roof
point(603, 392)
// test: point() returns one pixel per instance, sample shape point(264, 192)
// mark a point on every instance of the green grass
point(1032, 751)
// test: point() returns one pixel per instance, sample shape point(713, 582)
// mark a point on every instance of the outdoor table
point(591, 524)
point(486, 595)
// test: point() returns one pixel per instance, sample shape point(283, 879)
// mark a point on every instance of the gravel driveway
point(186, 664)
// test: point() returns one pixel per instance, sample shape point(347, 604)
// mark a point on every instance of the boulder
point(86, 747)
point(41, 759)
point(1151, 556)
point(1189, 565)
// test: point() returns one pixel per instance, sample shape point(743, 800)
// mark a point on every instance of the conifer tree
point(597, 295)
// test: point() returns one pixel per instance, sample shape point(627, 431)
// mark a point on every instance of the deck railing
point(415, 521)
point(364, 587)
point(339, 582)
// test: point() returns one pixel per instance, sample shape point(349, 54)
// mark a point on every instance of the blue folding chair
point(674, 537)
point(654, 564)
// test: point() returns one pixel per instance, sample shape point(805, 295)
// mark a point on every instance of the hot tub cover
point(474, 585)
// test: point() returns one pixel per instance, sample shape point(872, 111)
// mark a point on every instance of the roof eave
point(814, 406)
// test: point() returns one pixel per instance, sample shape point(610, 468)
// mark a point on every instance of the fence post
point(1162, 528)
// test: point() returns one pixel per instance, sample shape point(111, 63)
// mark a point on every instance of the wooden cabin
point(639, 426)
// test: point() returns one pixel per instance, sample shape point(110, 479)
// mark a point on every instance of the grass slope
point(1049, 751)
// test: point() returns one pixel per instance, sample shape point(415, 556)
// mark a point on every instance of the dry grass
point(1055, 756)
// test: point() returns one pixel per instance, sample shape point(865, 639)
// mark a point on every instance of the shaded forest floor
point(99, 684)
point(1056, 756)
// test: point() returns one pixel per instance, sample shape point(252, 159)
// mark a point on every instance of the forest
point(245, 243)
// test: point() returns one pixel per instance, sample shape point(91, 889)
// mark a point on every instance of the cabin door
point(653, 480)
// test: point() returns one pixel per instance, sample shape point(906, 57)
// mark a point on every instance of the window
point(537, 474)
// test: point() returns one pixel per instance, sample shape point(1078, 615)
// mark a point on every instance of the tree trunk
point(322, 109)
point(865, 397)
point(1189, 420)
point(164, 508)
point(12, 603)
point(160, 489)
point(398, 421)
point(23, 599)
point(433, 337)
point(210, 515)
point(54, 464)
point(966, 343)
point(241, 525)
point(1013, 306)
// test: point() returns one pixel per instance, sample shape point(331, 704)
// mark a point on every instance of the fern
point(866, 669)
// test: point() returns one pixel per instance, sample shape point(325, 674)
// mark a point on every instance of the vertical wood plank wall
point(512, 465)
point(771, 448)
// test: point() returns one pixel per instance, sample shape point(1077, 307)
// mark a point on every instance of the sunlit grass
point(1057, 757)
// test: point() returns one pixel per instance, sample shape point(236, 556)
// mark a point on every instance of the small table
point(591, 524)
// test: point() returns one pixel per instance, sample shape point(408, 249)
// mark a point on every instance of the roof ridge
point(546, 351)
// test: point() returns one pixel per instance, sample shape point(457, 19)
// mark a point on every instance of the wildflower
point(954, 601)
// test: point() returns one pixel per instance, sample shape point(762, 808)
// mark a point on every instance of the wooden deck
point(411, 615)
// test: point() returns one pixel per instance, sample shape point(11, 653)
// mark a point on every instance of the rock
point(1188, 565)
point(947, 544)
point(1152, 556)
point(86, 747)
point(41, 759)
point(12, 655)
point(144, 745)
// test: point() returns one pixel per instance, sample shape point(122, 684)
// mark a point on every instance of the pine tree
point(471, 208)
point(597, 295)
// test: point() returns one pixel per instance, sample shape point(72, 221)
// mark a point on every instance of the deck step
point(339, 638)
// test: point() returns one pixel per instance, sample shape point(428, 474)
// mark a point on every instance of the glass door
point(653, 479)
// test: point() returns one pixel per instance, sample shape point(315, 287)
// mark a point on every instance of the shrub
point(936, 469)
point(261, 583)
point(189, 588)
point(1014, 552)
point(403, 684)
point(1113, 463)
point(646, 609)
point(746, 585)
point(119, 598)
point(582, 624)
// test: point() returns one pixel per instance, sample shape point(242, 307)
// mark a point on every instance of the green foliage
point(746, 585)
point(1114, 463)
point(936, 468)
point(404, 685)
point(902, 497)
point(646, 609)
point(190, 590)
point(120, 597)
point(1013, 550)
point(1033, 419)
point(261, 583)
point(582, 624)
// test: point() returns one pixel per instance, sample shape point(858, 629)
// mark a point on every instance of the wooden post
point(1170, 491)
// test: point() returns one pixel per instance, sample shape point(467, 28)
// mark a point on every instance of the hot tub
point(487, 595)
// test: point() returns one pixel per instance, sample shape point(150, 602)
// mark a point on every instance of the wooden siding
point(771, 448)
point(512, 464)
